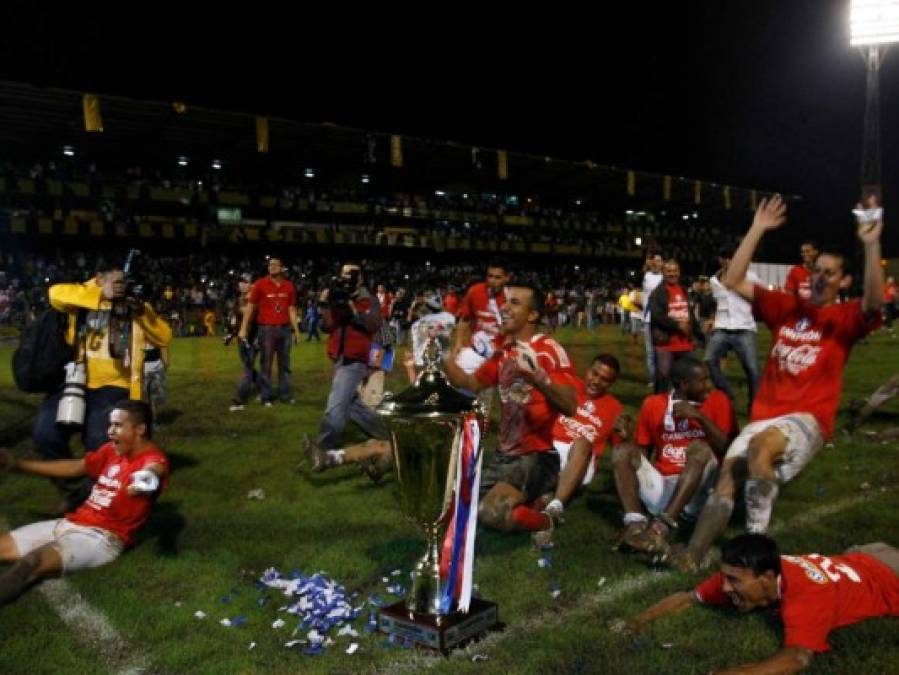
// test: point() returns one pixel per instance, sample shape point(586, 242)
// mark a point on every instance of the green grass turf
point(206, 542)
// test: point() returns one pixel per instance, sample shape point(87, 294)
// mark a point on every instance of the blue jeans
point(344, 404)
point(274, 341)
point(625, 322)
point(650, 351)
point(250, 376)
point(743, 343)
point(52, 439)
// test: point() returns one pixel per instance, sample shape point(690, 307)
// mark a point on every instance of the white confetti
point(555, 594)
point(543, 562)
point(479, 657)
point(386, 580)
point(293, 643)
point(279, 623)
point(352, 648)
point(396, 573)
point(177, 603)
point(200, 614)
point(347, 630)
point(225, 622)
point(667, 645)
point(252, 646)
point(601, 582)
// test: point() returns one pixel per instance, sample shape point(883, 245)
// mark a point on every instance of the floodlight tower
point(873, 26)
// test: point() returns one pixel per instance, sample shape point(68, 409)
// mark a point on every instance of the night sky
point(764, 94)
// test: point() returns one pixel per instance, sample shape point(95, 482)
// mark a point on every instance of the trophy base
point(423, 629)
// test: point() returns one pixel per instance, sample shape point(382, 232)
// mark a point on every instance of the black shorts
point(534, 474)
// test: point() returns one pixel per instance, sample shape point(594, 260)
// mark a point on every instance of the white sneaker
point(235, 407)
point(267, 404)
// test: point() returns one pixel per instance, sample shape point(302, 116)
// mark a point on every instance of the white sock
point(761, 494)
point(633, 518)
point(335, 457)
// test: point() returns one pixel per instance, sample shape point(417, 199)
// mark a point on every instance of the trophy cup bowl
point(425, 424)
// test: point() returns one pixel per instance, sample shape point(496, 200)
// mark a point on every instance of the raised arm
point(869, 234)
point(52, 468)
point(770, 214)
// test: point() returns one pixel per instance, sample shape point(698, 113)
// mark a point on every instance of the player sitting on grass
point(129, 472)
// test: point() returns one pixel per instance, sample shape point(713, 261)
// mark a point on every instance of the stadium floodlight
point(217, 164)
point(310, 173)
point(366, 178)
point(638, 241)
point(68, 151)
point(873, 22)
point(873, 26)
point(182, 161)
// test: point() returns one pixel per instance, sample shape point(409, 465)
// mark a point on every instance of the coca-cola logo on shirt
point(797, 358)
point(675, 454)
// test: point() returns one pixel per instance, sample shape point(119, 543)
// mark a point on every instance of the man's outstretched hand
point(770, 214)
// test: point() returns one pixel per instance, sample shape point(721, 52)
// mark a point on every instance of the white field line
point(588, 603)
point(90, 626)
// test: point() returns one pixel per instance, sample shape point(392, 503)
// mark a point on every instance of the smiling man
point(535, 380)
point(129, 472)
point(794, 411)
point(812, 594)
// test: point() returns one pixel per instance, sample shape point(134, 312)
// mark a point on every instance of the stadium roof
point(36, 122)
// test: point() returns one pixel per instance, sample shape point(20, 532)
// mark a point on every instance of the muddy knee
point(765, 448)
point(626, 454)
point(699, 452)
point(496, 513)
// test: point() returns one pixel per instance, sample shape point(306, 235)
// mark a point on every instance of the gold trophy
point(425, 423)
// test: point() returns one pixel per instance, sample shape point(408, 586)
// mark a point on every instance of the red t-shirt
point(451, 303)
point(810, 346)
point(595, 420)
point(386, 302)
point(481, 310)
point(678, 310)
point(818, 594)
point(109, 506)
point(669, 447)
point(799, 282)
point(272, 301)
point(527, 418)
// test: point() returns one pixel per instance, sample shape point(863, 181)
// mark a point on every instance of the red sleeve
point(645, 423)
point(488, 373)
point(854, 325)
point(711, 592)
point(807, 624)
point(791, 284)
point(255, 293)
point(465, 311)
point(95, 461)
point(772, 306)
point(722, 413)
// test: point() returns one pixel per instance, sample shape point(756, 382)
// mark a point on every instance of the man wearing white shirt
point(734, 330)
point(651, 278)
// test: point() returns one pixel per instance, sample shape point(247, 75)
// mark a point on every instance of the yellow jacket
point(102, 369)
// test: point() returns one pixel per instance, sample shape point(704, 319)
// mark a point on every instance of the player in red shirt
point(796, 405)
point(671, 465)
point(534, 377)
point(582, 438)
point(272, 301)
point(799, 277)
point(129, 472)
point(479, 316)
point(813, 594)
point(671, 324)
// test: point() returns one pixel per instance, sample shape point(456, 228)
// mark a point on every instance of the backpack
point(38, 365)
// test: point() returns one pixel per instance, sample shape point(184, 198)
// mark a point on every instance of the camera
point(71, 408)
point(135, 287)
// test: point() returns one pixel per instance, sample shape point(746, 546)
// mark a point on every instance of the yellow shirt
point(627, 304)
point(103, 370)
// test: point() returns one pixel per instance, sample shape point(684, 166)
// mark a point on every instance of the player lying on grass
point(129, 472)
point(813, 594)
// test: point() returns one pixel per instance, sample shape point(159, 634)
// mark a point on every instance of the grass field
point(207, 542)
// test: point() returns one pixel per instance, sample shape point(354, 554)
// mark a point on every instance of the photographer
point(246, 349)
point(109, 338)
point(351, 316)
point(275, 298)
